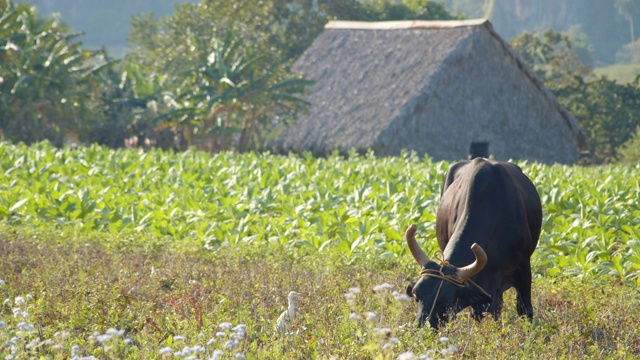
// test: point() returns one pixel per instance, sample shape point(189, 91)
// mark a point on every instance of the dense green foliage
point(358, 206)
point(47, 81)
point(629, 152)
point(607, 110)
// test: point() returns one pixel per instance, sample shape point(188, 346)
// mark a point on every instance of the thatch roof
point(429, 86)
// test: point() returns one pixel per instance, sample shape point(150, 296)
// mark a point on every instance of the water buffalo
point(488, 225)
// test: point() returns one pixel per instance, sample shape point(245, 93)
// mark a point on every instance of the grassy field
point(125, 254)
point(623, 73)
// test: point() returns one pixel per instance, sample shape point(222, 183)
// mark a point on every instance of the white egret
point(285, 319)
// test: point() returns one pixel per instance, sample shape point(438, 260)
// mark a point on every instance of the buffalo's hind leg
point(523, 289)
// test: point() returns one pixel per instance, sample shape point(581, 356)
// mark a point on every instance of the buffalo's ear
point(410, 288)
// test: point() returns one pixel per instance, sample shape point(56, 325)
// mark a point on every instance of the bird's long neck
point(291, 308)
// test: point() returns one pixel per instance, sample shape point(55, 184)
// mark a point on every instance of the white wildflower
point(115, 332)
point(20, 301)
point(354, 290)
point(452, 349)
point(165, 350)
point(444, 339)
point(370, 316)
point(429, 355)
point(230, 344)
point(33, 344)
point(382, 331)
point(2, 282)
point(61, 336)
point(103, 338)
point(187, 351)
point(178, 338)
point(221, 334)
point(237, 336)
point(211, 342)
point(23, 326)
point(382, 287)
point(240, 328)
point(75, 350)
point(240, 356)
point(351, 298)
point(400, 296)
point(2, 324)
point(406, 356)
point(217, 354)
point(226, 326)
point(128, 341)
point(354, 316)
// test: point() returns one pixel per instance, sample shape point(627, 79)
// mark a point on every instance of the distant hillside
point(108, 22)
point(605, 29)
point(105, 23)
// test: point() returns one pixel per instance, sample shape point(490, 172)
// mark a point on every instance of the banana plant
point(237, 98)
point(228, 97)
point(44, 75)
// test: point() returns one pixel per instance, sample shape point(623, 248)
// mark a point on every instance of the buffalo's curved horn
point(416, 251)
point(468, 271)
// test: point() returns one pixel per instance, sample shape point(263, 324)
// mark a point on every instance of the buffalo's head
point(441, 290)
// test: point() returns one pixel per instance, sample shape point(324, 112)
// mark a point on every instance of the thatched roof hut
point(442, 88)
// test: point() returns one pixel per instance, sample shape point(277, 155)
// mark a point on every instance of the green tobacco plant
point(358, 206)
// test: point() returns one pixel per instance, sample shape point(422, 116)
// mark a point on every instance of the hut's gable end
point(481, 96)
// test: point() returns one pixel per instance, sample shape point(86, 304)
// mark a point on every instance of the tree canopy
point(46, 77)
point(217, 75)
point(608, 111)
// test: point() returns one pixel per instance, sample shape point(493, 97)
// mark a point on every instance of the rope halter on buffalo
point(452, 279)
point(462, 275)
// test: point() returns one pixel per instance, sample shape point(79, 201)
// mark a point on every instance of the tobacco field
point(281, 210)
